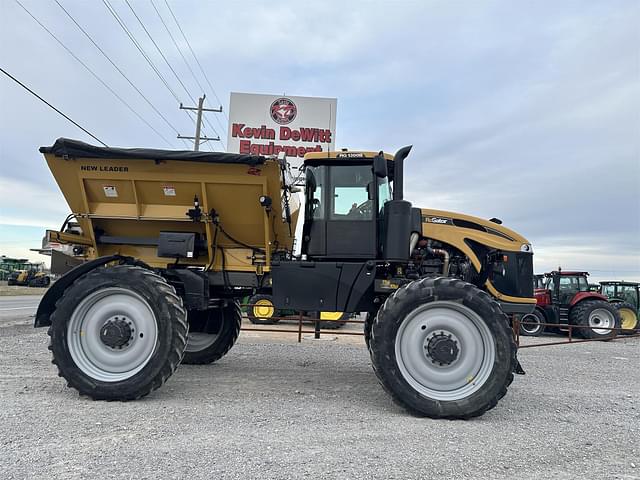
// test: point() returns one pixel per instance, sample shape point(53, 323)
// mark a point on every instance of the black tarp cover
point(65, 147)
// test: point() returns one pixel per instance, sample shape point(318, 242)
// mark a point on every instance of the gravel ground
point(6, 290)
point(276, 409)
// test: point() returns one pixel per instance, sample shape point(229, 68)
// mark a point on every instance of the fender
point(578, 297)
point(48, 303)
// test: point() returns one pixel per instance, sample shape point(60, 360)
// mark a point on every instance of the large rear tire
point(118, 333)
point(368, 324)
point(596, 319)
point(628, 318)
point(443, 348)
point(212, 333)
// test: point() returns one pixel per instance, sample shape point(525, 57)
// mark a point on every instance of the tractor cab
point(564, 286)
point(627, 292)
point(351, 212)
point(355, 215)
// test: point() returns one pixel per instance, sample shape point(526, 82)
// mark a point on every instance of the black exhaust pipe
point(398, 172)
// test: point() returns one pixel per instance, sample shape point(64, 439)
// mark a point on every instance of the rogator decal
point(103, 168)
point(439, 220)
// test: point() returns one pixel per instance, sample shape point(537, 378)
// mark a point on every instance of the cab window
point(583, 285)
point(609, 290)
point(384, 192)
point(351, 192)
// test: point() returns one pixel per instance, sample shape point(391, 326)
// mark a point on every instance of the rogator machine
point(171, 240)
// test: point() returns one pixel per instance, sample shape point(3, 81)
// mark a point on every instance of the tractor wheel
point(628, 318)
point(368, 323)
point(118, 333)
point(212, 333)
point(596, 319)
point(533, 324)
point(333, 320)
point(261, 310)
point(443, 348)
point(11, 283)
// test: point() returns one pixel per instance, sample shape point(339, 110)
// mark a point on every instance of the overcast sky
point(527, 111)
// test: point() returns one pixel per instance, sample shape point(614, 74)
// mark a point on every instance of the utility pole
point(198, 138)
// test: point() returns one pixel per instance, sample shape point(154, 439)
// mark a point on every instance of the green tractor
point(625, 296)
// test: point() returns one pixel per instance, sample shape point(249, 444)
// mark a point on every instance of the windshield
point(351, 192)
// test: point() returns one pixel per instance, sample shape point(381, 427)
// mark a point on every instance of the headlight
point(526, 247)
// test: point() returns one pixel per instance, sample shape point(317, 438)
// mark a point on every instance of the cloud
point(29, 204)
point(525, 111)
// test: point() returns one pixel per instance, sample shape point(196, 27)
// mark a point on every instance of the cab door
point(352, 213)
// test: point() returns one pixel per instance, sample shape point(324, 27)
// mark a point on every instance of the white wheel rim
point(93, 357)
point(601, 321)
point(467, 373)
point(531, 319)
point(198, 341)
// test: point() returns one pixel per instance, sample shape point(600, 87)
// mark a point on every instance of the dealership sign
point(270, 124)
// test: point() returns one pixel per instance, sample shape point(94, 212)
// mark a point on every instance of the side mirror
point(370, 191)
point(380, 166)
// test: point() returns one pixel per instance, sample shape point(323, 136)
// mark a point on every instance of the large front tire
point(596, 319)
point(443, 348)
point(118, 333)
point(212, 333)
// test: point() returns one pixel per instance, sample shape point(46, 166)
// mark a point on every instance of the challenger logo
point(283, 111)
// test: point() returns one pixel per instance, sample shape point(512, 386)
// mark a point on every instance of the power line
point(175, 19)
point(194, 56)
point(51, 106)
point(202, 89)
point(104, 84)
point(175, 44)
point(116, 67)
point(159, 51)
point(122, 24)
point(155, 44)
point(144, 54)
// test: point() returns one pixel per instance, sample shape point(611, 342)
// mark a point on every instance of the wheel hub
point(116, 332)
point(441, 348)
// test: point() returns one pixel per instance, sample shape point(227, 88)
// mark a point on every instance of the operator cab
point(350, 211)
point(344, 199)
point(351, 220)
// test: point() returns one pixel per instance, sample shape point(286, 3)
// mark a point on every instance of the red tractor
point(566, 300)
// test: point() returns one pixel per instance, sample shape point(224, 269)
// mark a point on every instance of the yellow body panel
point(113, 195)
point(504, 239)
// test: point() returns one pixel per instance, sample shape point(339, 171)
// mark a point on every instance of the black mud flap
point(518, 370)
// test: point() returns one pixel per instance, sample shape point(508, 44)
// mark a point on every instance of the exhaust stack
point(398, 172)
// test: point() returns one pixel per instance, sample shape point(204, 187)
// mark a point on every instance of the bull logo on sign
point(283, 111)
